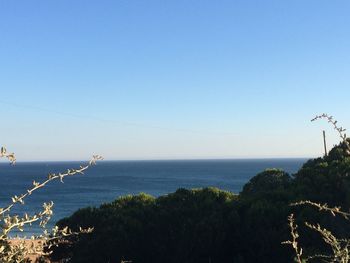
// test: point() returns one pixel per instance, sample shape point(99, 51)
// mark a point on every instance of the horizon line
point(168, 159)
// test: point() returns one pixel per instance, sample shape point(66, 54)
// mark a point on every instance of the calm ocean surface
point(110, 179)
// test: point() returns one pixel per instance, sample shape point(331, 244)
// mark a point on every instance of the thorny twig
point(340, 247)
point(18, 252)
point(10, 156)
point(295, 235)
point(324, 207)
point(339, 129)
point(51, 177)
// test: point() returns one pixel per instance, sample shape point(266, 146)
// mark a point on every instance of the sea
point(109, 180)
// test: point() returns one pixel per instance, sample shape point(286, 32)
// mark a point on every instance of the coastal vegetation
point(211, 225)
point(277, 217)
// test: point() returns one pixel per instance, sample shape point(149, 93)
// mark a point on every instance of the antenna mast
point(324, 143)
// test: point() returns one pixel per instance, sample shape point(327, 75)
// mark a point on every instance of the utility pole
point(324, 143)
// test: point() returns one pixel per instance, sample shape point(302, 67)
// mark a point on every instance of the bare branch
point(340, 130)
point(36, 185)
point(10, 156)
point(19, 251)
point(294, 242)
point(324, 207)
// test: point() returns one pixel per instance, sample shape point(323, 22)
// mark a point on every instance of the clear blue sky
point(172, 79)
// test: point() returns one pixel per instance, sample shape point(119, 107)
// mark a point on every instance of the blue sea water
point(110, 179)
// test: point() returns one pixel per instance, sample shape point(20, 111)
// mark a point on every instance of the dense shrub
point(270, 180)
point(210, 225)
point(185, 225)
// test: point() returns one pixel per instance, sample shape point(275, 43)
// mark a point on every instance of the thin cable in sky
point(120, 123)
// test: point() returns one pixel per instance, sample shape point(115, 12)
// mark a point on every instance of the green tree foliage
point(210, 225)
point(173, 228)
point(270, 180)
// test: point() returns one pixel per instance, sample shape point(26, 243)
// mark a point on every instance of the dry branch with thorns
point(20, 251)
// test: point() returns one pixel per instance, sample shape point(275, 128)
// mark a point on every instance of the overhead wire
point(117, 122)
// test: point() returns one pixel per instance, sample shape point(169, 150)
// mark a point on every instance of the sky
point(181, 79)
